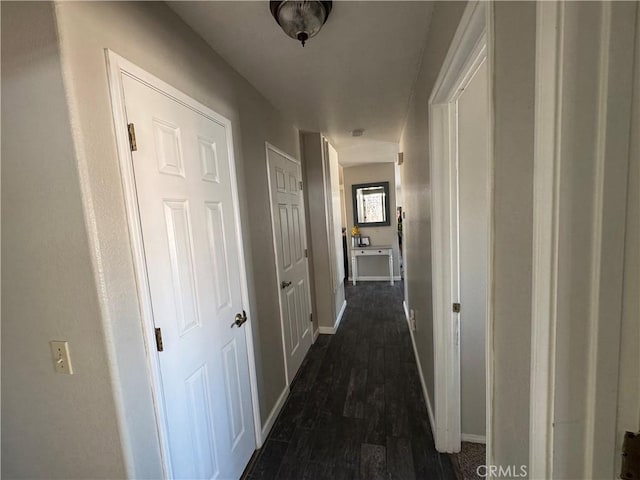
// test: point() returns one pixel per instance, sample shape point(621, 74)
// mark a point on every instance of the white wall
point(376, 266)
point(473, 194)
point(368, 151)
point(57, 426)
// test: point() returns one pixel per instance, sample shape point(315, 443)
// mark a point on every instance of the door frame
point(550, 446)
point(471, 46)
point(116, 67)
point(273, 148)
point(545, 241)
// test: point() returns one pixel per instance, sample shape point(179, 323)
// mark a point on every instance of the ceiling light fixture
point(300, 20)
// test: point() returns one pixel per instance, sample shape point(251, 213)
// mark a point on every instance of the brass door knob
point(284, 284)
point(240, 319)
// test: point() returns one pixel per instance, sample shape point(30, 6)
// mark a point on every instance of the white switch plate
point(61, 358)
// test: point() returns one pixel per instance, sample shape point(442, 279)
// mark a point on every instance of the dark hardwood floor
point(356, 409)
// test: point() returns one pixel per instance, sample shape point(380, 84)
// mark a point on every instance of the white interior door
point(287, 214)
point(188, 224)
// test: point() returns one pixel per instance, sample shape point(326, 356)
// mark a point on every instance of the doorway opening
point(460, 120)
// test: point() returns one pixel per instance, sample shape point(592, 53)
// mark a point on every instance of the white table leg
point(354, 269)
point(391, 266)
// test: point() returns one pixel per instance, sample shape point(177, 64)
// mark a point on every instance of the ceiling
point(358, 72)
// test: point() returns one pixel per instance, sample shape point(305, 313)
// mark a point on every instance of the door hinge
point(132, 137)
point(300, 184)
point(311, 317)
point(306, 253)
point(456, 308)
point(630, 456)
point(159, 344)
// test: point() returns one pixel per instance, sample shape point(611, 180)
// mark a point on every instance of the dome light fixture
point(300, 20)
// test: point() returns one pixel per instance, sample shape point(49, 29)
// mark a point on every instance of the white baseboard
point(340, 315)
point(381, 278)
point(334, 329)
point(432, 418)
point(425, 392)
point(315, 335)
point(465, 437)
point(275, 411)
point(470, 437)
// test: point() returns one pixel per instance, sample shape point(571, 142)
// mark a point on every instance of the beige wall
point(514, 65)
point(374, 172)
point(317, 242)
point(327, 302)
point(56, 295)
point(629, 382)
point(514, 27)
point(53, 426)
point(416, 225)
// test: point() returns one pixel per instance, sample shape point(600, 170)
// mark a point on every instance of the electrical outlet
point(61, 358)
point(412, 319)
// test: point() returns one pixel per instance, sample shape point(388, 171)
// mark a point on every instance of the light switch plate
point(61, 358)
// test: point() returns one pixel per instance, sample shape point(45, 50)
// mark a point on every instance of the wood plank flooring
point(356, 409)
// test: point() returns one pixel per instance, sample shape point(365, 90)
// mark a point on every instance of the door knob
point(284, 284)
point(240, 319)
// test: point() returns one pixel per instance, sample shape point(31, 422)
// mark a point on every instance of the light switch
point(61, 358)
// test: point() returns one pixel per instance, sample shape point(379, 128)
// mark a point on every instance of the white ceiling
point(368, 151)
point(358, 72)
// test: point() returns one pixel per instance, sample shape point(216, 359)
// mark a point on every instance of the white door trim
point(546, 214)
point(117, 66)
point(552, 451)
point(469, 49)
point(489, 359)
point(273, 148)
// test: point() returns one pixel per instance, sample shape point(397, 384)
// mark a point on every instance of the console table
point(367, 251)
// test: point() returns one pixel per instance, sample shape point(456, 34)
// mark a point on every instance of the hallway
point(356, 408)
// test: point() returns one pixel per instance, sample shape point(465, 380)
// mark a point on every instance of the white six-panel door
point(188, 224)
point(288, 219)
